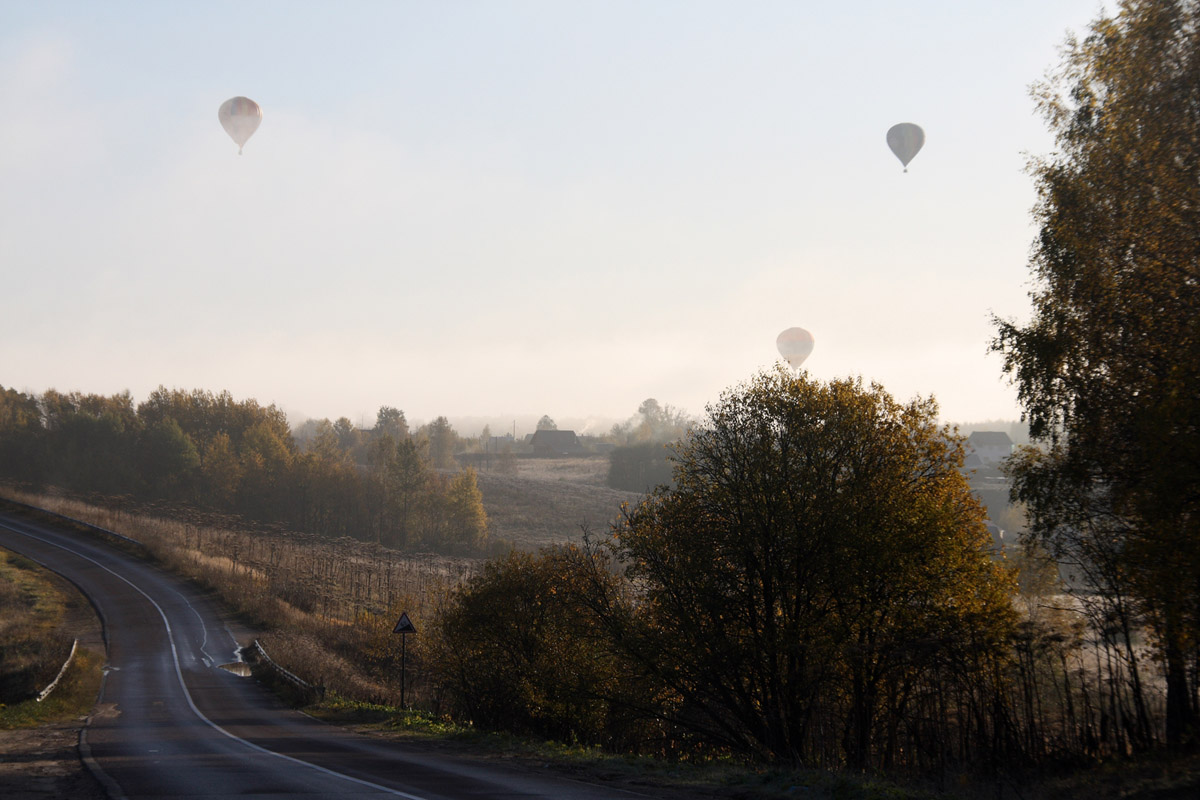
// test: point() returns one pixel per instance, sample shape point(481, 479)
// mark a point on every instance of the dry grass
point(589, 470)
point(550, 500)
point(34, 641)
point(40, 616)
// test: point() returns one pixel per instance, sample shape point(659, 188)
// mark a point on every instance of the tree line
point(237, 456)
point(641, 459)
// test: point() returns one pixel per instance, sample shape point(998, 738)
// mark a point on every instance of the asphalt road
point(170, 723)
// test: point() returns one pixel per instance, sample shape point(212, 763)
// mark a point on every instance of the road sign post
point(403, 627)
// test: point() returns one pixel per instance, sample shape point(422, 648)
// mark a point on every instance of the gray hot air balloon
point(240, 117)
point(905, 140)
point(795, 345)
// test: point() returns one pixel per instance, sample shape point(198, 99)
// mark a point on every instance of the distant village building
point(555, 443)
point(991, 447)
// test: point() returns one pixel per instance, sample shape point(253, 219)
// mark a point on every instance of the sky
point(497, 210)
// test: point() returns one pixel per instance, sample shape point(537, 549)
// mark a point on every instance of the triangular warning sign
point(404, 625)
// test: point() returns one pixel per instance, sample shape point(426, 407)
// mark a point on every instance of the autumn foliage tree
point(514, 650)
point(818, 572)
point(228, 455)
point(1108, 368)
point(815, 588)
point(464, 515)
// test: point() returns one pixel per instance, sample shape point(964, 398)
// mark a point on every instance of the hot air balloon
point(905, 140)
point(795, 345)
point(240, 117)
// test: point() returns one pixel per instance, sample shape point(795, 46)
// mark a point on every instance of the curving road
point(170, 723)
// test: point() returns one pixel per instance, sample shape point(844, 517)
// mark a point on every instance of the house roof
point(990, 439)
point(554, 438)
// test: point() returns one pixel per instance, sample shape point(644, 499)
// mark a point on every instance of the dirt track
point(44, 763)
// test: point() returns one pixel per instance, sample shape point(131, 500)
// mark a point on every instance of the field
point(550, 500)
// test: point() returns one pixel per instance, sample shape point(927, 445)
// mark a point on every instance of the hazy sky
point(500, 209)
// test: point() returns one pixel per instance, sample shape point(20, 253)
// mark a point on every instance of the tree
point(169, 459)
point(1108, 369)
point(327, 442)
point(94, 452)
point(266, 457)
point(653, 423)
point(21, 434)
point(391, 422)
point(546, 424)
point(347, 435)
point(650, 411)
point(639, 467)
point(442, 440)
point(405, 480)
point(466, 520)
point(220, 472)
point(514, 651)
point(202, 415)
point(820, 556)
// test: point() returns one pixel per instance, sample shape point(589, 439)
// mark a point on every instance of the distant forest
point(384, 484)
point(236, 456)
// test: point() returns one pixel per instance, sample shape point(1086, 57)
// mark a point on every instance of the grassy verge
point(35, 639)
point(72, 699)
point(716, 778)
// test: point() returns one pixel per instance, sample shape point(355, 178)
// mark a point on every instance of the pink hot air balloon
point(240, 117)
point(795, 345)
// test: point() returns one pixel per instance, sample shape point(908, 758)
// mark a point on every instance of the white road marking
point(188, 695)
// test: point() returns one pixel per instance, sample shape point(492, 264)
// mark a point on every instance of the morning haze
point(701, 400)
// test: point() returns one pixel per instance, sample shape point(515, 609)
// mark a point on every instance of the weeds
point(72, 698)
point(34, 642)
point(32, 634)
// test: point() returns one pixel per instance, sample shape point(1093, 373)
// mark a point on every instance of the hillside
point(549, 500)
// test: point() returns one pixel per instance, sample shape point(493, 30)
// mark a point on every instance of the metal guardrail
point(44, 693)
point(285, 674)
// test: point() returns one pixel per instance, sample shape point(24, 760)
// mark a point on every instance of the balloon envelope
point(240, 117)
point(795, 345)
point(905, 140)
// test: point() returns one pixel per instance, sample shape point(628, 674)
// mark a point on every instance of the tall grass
point(35, 639)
